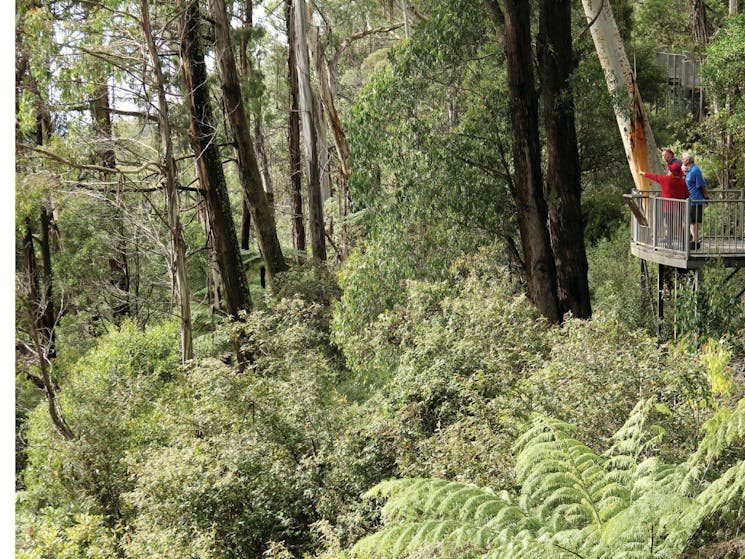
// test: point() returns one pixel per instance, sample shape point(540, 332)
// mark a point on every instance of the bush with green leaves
point(54, 532)
point(247, 455)
point(573, 502)
point(108, 399)
point(466, 363)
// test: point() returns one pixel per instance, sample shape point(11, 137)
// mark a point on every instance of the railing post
point(742, 221)
point(686, 243)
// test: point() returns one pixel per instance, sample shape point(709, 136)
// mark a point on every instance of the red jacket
point(672, 187)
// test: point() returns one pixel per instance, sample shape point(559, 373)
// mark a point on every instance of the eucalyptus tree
point(293, 134)
point(202, 132)
point(250, 176)
point(633, 124)
point(563, 177)
point(310, 133)
point(169, 175)
point(532, 211)
point(37, 346)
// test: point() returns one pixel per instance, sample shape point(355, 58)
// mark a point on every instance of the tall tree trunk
point(296, 197)
point(38, 312)
point(245, 68)
point(48, 318)
point(209, 166)
point(701, 26)
point(563, 190)
point(633, 124)
point(310, 135)
point(118, 268)
point(532, 213)
point(326, 90)
point(245, 226)
point(170, 188)
point(266, 230)
point(259, 145)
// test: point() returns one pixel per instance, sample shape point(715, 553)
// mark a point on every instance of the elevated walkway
point(659, 229)
point(660, 235)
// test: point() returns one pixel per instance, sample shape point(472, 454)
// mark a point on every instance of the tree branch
point(99, 168)
point(361, 35)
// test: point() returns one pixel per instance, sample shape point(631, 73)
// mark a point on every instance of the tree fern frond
point(378, 544)
point(721, 431)
point(633, 438)
point(653, 475)
point(407, 498)
point(724, 491)
point(562, 476)
point(573, 502)
point(542, 429)
point(461, 501)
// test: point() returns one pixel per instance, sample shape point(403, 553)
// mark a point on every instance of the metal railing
point(721, 231)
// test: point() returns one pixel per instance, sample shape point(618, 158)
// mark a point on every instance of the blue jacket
point(696, 184)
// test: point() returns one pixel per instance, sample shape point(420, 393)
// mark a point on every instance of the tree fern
point(724, 429)
point(573, 502)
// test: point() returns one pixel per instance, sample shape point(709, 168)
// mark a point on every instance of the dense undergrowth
point(211, 460)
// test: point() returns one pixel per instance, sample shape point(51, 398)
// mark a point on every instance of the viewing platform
point(660, 229)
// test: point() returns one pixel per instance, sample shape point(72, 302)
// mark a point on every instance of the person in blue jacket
point(697, 193)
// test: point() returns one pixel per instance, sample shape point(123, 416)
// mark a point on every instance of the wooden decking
point(659, 230)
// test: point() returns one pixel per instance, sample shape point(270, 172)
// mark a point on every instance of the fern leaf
point(729, 489)
point(725, 428)
point(629, 441)
point(561, 476)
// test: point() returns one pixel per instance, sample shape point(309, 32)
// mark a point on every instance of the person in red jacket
point(673, 186)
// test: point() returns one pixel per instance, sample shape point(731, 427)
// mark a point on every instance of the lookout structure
point(659, 226)
point(659, 235)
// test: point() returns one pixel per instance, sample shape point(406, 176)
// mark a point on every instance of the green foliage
point(596, 389)
point(246, 456)
point(572, 501)
point(615, 284)
point(654, 22)
point(108, 402)
point(714, 310)
point(54, 533)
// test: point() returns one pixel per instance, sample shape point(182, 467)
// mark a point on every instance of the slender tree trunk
point(563, 190)
point(633, 124)
point(170, 188)
point(48, 318)
point(209, 166)
point(266, 231)
point(701, 27)
point(245, 227)
point(259, 145)
point(532, 213)
point(245, 68)
point(326, 89)
point(310, 135)
point(37, 312)
point(296, 197)
point(118, 267)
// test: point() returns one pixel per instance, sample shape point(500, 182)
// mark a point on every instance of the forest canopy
point(345, 279)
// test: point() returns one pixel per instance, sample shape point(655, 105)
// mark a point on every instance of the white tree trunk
point(310, 135)
point(636, 133)
point(170, 187)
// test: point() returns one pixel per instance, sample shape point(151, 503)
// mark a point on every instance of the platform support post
point(660, 297)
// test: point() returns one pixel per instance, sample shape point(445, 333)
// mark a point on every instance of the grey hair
point(687, 156)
